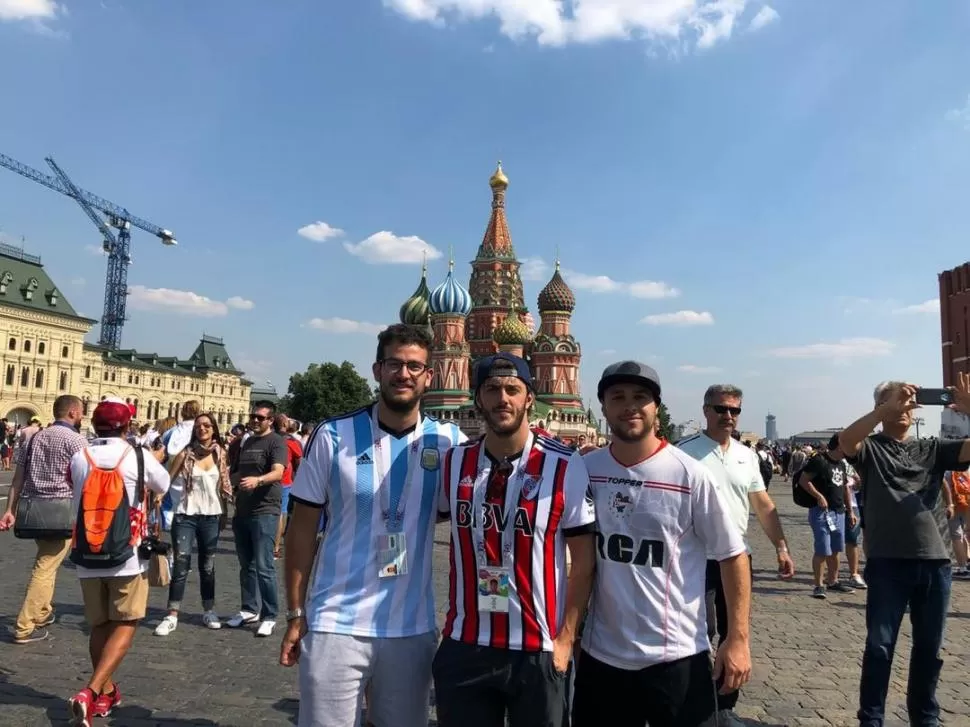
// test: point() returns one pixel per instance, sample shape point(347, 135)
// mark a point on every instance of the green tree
point(326, 390)
point(666, 428)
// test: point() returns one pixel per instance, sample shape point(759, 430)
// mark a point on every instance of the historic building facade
point(44, 355)
point(490, 316)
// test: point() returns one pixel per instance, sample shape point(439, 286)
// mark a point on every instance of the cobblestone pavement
point(806, 652)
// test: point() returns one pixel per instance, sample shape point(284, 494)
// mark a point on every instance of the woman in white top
point(200, 493)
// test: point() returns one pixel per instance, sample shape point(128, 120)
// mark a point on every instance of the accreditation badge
point(430, 459)
point(392, 555)
point(493, 590)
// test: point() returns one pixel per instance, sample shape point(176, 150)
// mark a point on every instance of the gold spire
point(451, 258)
point(557, 258)
point(499, 180)
point(424, 263)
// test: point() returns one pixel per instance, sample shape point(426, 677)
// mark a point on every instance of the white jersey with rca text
point(656, 522)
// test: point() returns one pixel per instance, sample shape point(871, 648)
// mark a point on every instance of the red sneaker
point(82, 705)
point(106, 702)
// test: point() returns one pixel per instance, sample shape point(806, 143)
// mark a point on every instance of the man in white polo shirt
point(737, 472)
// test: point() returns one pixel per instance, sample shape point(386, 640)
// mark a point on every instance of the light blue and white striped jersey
point(345, 594)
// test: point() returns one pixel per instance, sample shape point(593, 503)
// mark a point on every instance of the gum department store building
point(43, 355)
point(489, 316)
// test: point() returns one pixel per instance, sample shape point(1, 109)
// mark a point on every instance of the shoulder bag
point(38, 519)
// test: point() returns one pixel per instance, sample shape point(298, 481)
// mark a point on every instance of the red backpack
point(107, 529)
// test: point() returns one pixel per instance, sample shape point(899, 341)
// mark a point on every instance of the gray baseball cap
point(629, 372)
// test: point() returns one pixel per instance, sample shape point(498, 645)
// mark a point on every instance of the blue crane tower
point(118, 247)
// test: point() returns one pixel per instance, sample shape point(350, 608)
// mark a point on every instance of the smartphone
point(934, 397)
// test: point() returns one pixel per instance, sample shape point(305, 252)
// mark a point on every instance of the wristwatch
point(294, 614)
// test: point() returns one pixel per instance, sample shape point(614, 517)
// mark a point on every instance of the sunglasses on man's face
point(722, 409)
point(258, 417)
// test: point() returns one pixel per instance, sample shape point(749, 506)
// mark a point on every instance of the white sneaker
point(211, 620)
point(856, 582)
point(266, 628)
point(167, 626)
point(242, 618)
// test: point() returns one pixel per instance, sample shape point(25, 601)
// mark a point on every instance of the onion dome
point(512, 331)
point(451, 297)
point(416, 310)
point(556, 296)
point(498, 180)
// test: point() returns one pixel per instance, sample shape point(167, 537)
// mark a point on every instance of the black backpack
point(799, 494)
point(767, 470)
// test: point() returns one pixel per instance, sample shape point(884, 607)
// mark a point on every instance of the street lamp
point(917, 421)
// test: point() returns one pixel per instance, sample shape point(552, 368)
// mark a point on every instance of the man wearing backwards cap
point(659, 513)
point(115, 599)
point(516, 501)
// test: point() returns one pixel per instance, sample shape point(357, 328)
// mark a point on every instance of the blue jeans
point(204, 530)
point(894, 584)
point(255, 536)
point(828, 542)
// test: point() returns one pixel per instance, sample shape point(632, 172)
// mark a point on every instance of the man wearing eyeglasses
point(256, 476)
point(516, 502)
point(738, 474)
point(365, 618)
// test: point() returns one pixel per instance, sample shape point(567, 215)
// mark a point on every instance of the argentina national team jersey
point(339, 472)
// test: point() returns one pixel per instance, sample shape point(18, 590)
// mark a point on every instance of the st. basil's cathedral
point(490, 316)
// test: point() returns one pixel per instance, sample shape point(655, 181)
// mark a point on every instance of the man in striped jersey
point(365, 616)
point(645, 654)
point(516, 501)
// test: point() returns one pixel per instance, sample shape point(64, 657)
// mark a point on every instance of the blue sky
point(796, 172)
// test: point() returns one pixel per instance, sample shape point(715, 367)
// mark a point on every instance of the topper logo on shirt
point(494, 518)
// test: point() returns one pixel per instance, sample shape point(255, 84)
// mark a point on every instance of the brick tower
point(555, 352)
point(449, 306)
point(495, 285)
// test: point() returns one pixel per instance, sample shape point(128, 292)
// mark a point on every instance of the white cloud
point(534, 268)
point(960, 115)
point(343, 325)
point(692, 369)
point(652, 290)
point(846, 348)
point(592, 283)
point(182, 302)
point(240, 303)
point(386, 247)
point(254, 367)
point(28, 9)
point(319, 231)
point(94, 250)
point(680, 318)
point(764, 17)
point(677, 23)
point(931, 306)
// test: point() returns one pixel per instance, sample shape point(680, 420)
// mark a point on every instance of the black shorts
point(478, 686)
point(674, 694)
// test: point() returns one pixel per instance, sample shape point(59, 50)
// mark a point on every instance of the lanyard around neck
point(393, 510)
point(512, 491)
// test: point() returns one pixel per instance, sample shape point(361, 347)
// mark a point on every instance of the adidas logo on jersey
point(365, 459)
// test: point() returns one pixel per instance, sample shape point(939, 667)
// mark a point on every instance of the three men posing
point(363, 617)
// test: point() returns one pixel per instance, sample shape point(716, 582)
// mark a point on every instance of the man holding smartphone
point(907, 543)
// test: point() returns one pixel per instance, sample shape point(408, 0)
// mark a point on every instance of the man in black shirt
point(825, 479)
point(256, 476)
point(907, 545)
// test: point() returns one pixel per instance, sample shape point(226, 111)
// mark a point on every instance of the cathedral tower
point(449, 304)
point(495, 285)
point(555, 353)
point(416, 310)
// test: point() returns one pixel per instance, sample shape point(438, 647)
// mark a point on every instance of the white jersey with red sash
point(507, 581)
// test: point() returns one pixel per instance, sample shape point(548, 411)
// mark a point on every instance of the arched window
point(65, 352)
point(26, 346)
point(62, 384)
point(25, 377)
point(13, 344)
point(171, 409)
point(11, 372)
point(41, 348)
point(39, 379)
point(85, 405)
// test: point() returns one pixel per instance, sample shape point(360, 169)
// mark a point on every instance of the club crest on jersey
point(429, 459)
point(530, 487)
point(621, 505)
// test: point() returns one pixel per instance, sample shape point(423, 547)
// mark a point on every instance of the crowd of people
point(574, 573)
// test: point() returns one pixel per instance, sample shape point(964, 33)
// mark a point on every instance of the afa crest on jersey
point(430, 458)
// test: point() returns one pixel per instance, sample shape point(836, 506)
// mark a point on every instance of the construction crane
point(117, 247)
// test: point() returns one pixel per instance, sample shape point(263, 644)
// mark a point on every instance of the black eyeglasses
point(396, 365)
point(722, 409)
point(258, 417)
point(498, 481)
